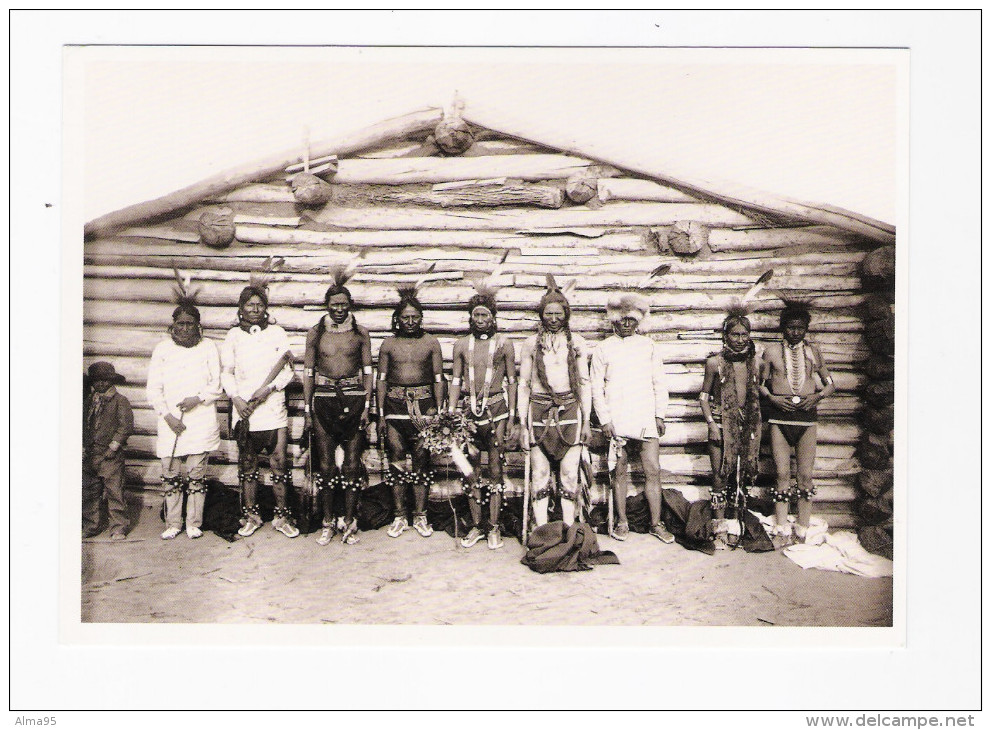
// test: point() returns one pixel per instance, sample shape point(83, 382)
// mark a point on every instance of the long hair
point(553, 295)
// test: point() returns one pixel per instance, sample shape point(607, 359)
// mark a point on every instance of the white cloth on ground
point(841, 552)
point(247, 360)
point(174, 374)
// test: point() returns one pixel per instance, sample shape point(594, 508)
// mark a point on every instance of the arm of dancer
point(708, 388)
point(829, 387)
point(509, 361)
point(457, 372)
point(437, 364)
point(366, 372)
point(309, 365)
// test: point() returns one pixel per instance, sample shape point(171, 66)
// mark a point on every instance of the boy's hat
point(105, 371)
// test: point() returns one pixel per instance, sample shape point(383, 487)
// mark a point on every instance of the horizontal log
point(376, 135)
point(759, 239)
point(624, 188)
point(450, 169)
point(612, 214)
point(461, 239)
point(150, 314)
point(542, 196)
point(294, 293)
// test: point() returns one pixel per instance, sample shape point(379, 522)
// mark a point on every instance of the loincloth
point(556, 422)
point(337, 408)
point(496, 409)
point(402, 402)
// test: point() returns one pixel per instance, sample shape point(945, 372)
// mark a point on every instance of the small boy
point(107, 425)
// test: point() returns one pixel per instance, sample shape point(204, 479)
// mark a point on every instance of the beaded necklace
point(489, 370)
point(794, 357)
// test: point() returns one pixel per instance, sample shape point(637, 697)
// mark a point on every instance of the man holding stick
point(791, 402)
point(337, 390)
point(183, 388)
point(410, 387)
point(482, 362)
point(630, 396)
point(255, 361)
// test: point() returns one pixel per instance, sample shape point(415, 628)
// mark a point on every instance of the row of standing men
point(548, 408)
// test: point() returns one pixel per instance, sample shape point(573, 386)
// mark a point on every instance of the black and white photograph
point(402, 373)
point(427, 344)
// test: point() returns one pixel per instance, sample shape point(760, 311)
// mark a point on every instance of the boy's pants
point(103, 474)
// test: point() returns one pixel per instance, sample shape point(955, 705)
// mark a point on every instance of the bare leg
point(782, 466)
point(621, 486)
point(570, 465)
point(540, 478)
point(351, 469)
point(324, 448)
point(805, 456)
point(476, 494)
point(649, 453)
point(277, 462)
point(718, 484)
point(396, 452)
point(496, 439)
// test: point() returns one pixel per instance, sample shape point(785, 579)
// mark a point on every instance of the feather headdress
point(183, 293)
point(486, 288)
point(342, 273)
point(741, 307)
point(409, 290)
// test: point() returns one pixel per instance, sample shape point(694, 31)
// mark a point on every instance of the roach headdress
point(409, 296)
point(486, 289)
point(555, 295)
point(340, 275)
point(184, 295)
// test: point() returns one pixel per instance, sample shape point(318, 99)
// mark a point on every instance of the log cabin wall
point(406, 207)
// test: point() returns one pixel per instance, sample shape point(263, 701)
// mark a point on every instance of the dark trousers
point(104, 475)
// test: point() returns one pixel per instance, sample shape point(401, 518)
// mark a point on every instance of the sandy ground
point(413, 580)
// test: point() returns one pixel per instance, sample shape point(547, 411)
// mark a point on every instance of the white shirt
point(247, 360)
point(177, 373)
point(628, 385)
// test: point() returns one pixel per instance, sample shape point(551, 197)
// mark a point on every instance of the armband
point(455, 380)
point(829, 380)
point(308, 372)
point(382, 375)
point(368, 403)
point(438, 377)
point(367, 370)
point(704, 397)
point(306, 408)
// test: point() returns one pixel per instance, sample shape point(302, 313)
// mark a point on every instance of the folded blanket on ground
point(557, 547)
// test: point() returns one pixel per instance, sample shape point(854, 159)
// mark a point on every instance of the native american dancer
point(337, 390)
point(555, 400)
point(409, 389)
point(630, 397)
point(108, 422)
point(483, 362)
point(255, 370)
point(183, 388)
point(730, 401)
point(791, 412)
